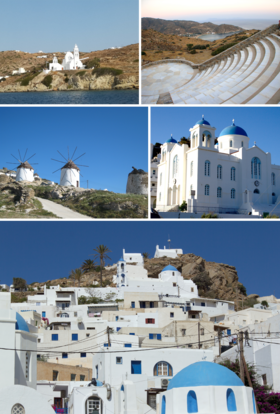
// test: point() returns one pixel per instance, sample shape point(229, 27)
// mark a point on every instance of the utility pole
point(198, 335)
point(219, 339)
point(108, 334)
point(242, 368)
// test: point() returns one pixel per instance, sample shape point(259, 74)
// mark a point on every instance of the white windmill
point(25, 172)
point(70, 172)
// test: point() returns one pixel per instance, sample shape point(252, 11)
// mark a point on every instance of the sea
point(213, 37)
point(111, 97)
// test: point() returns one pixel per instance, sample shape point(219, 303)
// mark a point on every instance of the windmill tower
point(25, 172)
point(70, 172)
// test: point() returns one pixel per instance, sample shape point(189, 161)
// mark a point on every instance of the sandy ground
point(60, 211)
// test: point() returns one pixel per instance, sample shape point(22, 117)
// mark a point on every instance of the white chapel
point(221, 174)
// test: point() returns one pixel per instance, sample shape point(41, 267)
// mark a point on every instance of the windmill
point(70, 172)
point(25, 172)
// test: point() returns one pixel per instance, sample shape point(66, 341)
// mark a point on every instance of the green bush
point(47, 80)
point(273, 216)
point(189, 45)
point(242, 289)
point(143, 53)
point(199, 47)
point(81, 73)
point(66, 80)
point(209, 215)
point(264, 303)
point(93, 63)
point(106, 71)
point(222, 48)
point(193, 52)
point(183, 206)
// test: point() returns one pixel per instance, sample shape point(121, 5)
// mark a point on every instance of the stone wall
point(45, 372)
point(137, 182)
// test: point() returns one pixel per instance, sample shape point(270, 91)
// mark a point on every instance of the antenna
point(169, 241)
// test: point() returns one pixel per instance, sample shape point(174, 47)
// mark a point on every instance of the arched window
point(207, 190)
point(230, 143)
point(207, 168)
point(241, 143)
point(254, 402)
point(219, 172)
point(193, 141)
point(163, 405)
point(256, 168)
point(175, 165)
point(18, 409)
point(163, 369)
point(122, 388)
point(232, 174)
point(93, 405)
point(232, 193)
point(231, 403)
point(160, 179)
point(192, 402)
point(191, 168)
point(256, 191)
point(273, 179)
point(219, 192)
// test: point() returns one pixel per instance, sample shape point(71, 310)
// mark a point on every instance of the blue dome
point(202, 122)
point(172, 140)
point(121, 260)
point(204, 374)
point(21, 325)
point(233, 130)
point(169, 267)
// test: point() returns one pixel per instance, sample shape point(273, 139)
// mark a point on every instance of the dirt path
point(60, 211)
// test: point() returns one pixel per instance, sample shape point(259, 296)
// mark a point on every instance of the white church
point(71, 61)
point(220, 175)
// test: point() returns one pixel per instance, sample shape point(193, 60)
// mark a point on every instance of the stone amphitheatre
point(247, 73)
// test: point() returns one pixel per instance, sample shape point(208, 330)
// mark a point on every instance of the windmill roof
point(25, 164)
point(71, 165)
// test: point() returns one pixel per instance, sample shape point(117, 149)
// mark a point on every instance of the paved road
point(60, 211)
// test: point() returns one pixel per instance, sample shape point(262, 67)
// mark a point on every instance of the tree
point(101, 254)
point(88, 266)
point(264, 303)
point(19, 283)
point(146, 255)
point(77, 274)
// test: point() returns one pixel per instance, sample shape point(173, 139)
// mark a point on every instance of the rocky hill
point(124, 74)
point(185, 27)
point(214, 280)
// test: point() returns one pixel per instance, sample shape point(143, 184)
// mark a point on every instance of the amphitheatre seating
point(248, 73)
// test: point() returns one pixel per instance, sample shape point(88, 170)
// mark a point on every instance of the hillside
point(214, 280)
point(186, 27)
point(18, 200)
point(125, 61)
point(158, 46)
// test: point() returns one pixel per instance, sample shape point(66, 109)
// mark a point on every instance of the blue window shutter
point(229, 331)
point(54, 337)
point(117, 318)
point(74, 337)
point(83, 354)
point(151, 336)
point(192, 402)
point(136, 367)
point(159, 337)
point(127, 345)
point(118, 329)
point(64, 355)
point(133, 304)
point(43, 314)
point(132, 333)
point(122, 388)
point(231, 403)
point(106, 345)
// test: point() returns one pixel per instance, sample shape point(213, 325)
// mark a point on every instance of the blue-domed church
point(221, 175)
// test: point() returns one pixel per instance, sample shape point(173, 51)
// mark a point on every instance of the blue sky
point(261, 124)
point(57, 25)
point(50, 250)
point(114, 139)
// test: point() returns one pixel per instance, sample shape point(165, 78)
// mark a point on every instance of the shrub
point(273, 216)
point(193, 52)
point(66, 80)
point(264, 303)
point(94, 62)
point(189, 45)
point(222, 48)
point(81, 73)
point(47, 80)
point(183, 206)
point(209, 215)
point(242, 289)
point(143, 53)
point(106, 71)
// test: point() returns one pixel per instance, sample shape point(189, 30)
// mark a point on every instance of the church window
point(160, 179)
point(18, 409)
point(256, 168)
point(230, 143)
point(175, 165)
point(207, 168)
point(191, 168)
point(232, 174)
point(231, 403)
point(154, 172)
point(163, 369)
point(192, 402)
point(191, 190)
point(219, 172)
point(256, 191)
point(219, 192)
point(241, 143)
point(207, 190)
point(232, 193)
point(273, 179)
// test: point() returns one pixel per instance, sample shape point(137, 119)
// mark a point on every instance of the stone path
point(249, 75)
point(61, 211)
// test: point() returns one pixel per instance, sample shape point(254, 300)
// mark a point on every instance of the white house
point(70, 175)
point(208, 388)
point(19, 71)
point(167, 252)
point(25, 172)
point(220, 175)
point(18, 377)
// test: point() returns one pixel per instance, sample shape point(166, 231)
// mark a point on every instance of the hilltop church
point(71, 61)
point(221, 175)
